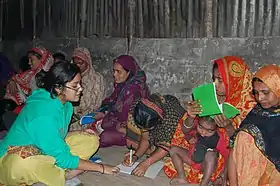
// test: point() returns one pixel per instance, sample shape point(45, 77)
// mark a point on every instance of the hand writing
point(126, 160)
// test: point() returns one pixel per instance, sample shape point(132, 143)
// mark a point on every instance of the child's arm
point(188, 125)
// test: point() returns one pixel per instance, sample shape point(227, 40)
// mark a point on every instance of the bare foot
point(178, 181)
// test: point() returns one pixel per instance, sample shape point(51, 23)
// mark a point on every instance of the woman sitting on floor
point(130, 83)
point(38, 147)
point(232, 81)
point(255, 155)
point(92, 83)
point(21, 85)
point(151, 125)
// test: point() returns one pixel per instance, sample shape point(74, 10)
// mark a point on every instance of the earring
point(162, 99)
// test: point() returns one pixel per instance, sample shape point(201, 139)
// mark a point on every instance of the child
point(205, 146)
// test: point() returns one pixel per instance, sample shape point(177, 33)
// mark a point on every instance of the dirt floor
point(114, 156)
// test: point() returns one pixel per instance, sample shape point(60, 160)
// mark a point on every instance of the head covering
point(46, 60)
point(26, 80)
point(237, 80)
point(84, 55)
point(270, 75)
point(152, 106)
point(263, 124)
point(92, 83)
point(128, 63)
point(136, 82)
point(163, 133)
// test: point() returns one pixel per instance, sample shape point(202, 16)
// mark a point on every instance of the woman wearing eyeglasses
point(38, 147)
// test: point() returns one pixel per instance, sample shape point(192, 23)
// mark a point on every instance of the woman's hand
point(126, 160)
point(12, 86)
point(141, 169)
point(90, 131)
point(108, 169)
point(99, 115)
point(193, 108)
point(222, 121)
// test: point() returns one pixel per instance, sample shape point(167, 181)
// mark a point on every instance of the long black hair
point(145, 117)
point(57, 77)
point(60, 56)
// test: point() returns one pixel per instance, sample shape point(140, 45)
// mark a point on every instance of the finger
point(142, 174)
point(198, 110)
point(126, 162)
point(223, 117)
point(116, 170)
point(135, 172)
point(223, 120)
point(217, 121)
point(90, 131)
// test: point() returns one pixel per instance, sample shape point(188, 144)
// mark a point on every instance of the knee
point(83, 144)
point(112, 137)
point(174, 150)
point(93, 143)
point(211, 157)
point(13, 166)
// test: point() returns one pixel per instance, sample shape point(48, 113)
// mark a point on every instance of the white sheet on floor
point(152, 171)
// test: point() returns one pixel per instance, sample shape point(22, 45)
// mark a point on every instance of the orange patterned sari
point(237, 79)
point(248, 151)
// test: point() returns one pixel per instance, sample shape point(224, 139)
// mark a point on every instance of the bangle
point(102, 166)
point(135, 156)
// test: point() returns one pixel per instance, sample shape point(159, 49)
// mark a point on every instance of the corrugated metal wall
point(147, 18)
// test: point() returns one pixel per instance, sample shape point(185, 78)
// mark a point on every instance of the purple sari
point(119, 102)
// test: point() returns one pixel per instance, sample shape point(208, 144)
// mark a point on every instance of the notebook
point(89, 118)
point(152, 171)
point(206, 94)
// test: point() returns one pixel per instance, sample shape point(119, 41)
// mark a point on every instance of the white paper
point(126, 169)
point(152, 171)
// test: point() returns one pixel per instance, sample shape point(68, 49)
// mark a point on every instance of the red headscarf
point(24, 79)
point(238, 83)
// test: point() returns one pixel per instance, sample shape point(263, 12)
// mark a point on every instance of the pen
point(130, 155)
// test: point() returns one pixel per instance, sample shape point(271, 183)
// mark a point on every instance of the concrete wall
point(172, 66)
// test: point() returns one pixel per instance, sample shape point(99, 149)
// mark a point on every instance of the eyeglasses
point(74, 89)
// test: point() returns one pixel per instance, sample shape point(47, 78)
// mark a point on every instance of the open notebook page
point(152, 171)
